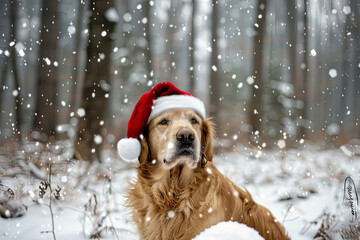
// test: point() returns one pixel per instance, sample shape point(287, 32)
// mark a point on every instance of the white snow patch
point(346, 151)
point(229, 231)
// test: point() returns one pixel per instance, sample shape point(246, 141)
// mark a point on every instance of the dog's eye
point(163, 121)
point(194, 121)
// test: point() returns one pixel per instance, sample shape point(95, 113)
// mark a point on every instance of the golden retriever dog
point(179, 192)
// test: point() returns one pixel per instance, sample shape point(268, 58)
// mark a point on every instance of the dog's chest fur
point(179, 205)
point(184, 202)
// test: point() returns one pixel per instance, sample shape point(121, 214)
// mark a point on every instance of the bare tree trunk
point(296, 79)
point(13, 17)
point(78, 77)
point(192, 50)
point(46, 106)
point(4, 44)
point(303, 93)
point(4, 39)
point(147, 35)
point(214, 65)
point(292, 31)
point(96, 88)
point(2, 82)
point(256, 109)
point(170, 45)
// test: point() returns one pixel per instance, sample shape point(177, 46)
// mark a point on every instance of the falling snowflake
point(313, 52)
point(81, 112)
point(64, 179)
point(281, 143)
point(47, 60)
point(333, 73)
point(98, 139)
point(71, 30)
point(250, 80)
point(346, 10)
point(171, 214)
point(127, 17)
point(170, 145)
point(112, 15)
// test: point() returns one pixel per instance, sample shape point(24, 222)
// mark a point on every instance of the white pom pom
point(129, 149)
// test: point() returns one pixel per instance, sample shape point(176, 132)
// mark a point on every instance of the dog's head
point(177, 137)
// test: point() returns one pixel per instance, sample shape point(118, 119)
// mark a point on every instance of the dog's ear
point(144, 154)
point(206, 140)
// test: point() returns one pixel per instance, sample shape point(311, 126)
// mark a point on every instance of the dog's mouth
point(187, 152)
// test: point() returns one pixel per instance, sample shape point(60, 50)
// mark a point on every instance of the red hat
point(164, 96)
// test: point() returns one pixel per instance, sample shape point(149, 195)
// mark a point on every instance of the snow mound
point(229, 231)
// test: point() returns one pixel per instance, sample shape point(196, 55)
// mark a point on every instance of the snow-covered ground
point(310, 185)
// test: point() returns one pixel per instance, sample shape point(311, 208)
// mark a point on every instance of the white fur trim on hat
point(171, 102)
point(129, 149)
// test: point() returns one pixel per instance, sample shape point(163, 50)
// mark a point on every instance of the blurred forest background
point(266, 70)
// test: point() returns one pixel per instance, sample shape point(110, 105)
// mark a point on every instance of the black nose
point(185, 135)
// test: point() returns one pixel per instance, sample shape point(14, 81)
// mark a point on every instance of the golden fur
point(181, 198)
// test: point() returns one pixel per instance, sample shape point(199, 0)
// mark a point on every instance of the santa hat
point(163, 97)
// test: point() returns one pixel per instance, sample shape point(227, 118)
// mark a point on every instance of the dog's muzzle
point(185, 142)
